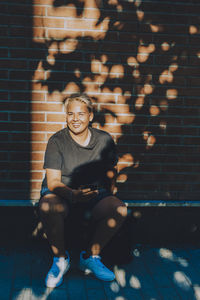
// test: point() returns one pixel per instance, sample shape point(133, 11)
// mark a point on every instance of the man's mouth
point(76, 125)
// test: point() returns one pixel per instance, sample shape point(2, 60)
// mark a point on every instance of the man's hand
point(83, 195)
point(55, 185)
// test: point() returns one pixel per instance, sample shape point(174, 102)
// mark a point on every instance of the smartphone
point(93, 187)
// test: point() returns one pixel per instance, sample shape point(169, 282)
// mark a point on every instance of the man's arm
point(56, 186)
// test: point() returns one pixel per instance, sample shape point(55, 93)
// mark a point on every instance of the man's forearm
point(61, 190)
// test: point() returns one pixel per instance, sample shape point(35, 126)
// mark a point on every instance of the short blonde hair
point(82, 97)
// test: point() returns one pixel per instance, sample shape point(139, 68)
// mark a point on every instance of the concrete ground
point(154, 273)
point(165, 262)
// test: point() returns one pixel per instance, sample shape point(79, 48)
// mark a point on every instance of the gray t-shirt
point(81, 165)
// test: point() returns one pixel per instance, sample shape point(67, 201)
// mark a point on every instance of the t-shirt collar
point(92, 141)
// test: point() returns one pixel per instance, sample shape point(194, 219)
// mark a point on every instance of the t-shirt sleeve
point(111, 154)
point(53, 157)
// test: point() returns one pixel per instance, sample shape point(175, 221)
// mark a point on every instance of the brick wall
point(140, 63)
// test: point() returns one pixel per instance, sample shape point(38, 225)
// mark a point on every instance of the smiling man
point(79, 163)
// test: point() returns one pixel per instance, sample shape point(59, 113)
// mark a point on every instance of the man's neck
point(82, 138)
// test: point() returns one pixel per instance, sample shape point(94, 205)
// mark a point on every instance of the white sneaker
point(93, 264)
point(59, 267)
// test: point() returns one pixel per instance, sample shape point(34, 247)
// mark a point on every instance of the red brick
point(36, 185)
point(36, 165)
point(48, 22)
point(39, 10)
point(56, 118)
point(49, 135)
point(37, 175)
point(46, 127)
point(37, 96)
point(42, 2)
point(38, 136)
point(61, 11)
point(35, 195)
point(37, 117)
point(48, 107)
point(38, 146)
point(37, 156)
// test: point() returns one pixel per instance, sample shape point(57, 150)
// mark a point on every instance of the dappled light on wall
point(130, 61)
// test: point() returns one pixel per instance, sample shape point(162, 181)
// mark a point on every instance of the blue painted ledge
point(129, 203)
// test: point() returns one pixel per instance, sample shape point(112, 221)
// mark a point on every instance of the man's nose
point(75, 117)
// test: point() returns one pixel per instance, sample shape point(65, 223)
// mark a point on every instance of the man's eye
point(81, 114)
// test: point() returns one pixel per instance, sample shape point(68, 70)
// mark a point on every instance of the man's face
point(78, 117)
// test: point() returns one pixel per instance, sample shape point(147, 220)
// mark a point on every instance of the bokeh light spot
point(154, 110)
point(171, 93)
point(140, 15)
point(132, 61)
point(134, 282)
point(193, 29)
point(165, 46)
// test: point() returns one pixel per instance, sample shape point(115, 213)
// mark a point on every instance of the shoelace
point(98, 261)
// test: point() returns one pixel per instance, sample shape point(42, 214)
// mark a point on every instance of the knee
point(122, 210)
point(44, 206)
point(51, 204)
point(119, 207)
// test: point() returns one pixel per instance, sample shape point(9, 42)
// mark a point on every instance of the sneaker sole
point(61, 280)
point(88, 271)
point(85, 271)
